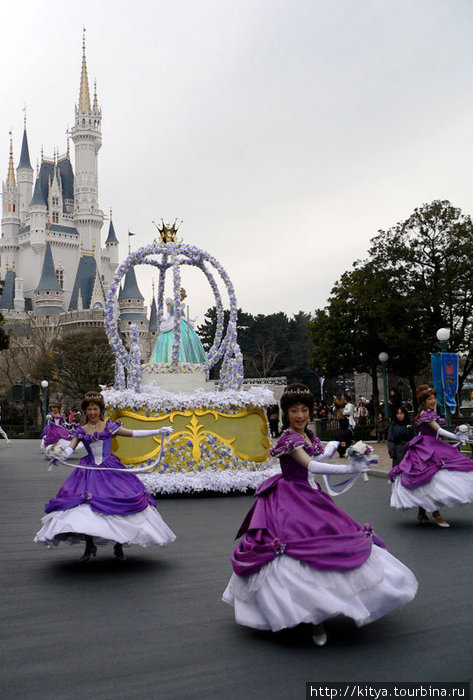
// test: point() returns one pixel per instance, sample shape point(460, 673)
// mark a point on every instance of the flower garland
point(175, 255)
point(166, 401)
point(134, 376)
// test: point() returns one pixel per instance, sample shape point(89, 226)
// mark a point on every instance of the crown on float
point(168, 232)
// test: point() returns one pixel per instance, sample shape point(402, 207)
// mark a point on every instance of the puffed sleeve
point(112, 427)
point(428, 416)
point(288, 442)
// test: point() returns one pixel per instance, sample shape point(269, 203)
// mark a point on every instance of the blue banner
point(437, 381)
point(450, 378)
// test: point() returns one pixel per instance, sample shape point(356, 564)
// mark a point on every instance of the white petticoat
point(145, 528)
point(286, 592)
point(446, 488)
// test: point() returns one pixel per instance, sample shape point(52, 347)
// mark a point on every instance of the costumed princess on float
point(301, 558)
point(190, 347)
point(102, 501)
point(432, 473)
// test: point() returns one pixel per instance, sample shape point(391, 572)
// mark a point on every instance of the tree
point(77, 363)
point(430, 257)
point(418, 278)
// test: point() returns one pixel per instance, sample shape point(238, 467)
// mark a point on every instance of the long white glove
point(150, 433)
point(447, 434)
point(329, 451)
point(349, 468)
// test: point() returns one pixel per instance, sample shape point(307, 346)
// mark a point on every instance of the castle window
point(55, 217)
point(55, 201)
point(60, 277)
point(9, 207)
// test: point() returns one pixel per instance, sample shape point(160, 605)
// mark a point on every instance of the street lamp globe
point(443, 334)
point(383, 357)
point(44, 384)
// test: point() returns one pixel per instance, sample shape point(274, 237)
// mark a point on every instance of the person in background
point(273, 419)
point(401, 431)
point(381, 424)
point(344, 437)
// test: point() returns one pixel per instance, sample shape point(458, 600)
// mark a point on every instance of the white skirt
point(145, 528)
point(286, 592)
point(446, 488)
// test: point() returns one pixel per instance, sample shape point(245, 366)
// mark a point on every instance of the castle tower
point(38, 213)
point(24, 173)
point(49, 297)
point(86, 135)
point(10, 219)
point(111, 244)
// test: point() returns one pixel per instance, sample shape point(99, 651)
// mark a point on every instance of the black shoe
point(118, 552)
point(90, 551)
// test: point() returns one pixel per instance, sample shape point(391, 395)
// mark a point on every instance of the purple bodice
point(109, 492)
point(426, 454)
point(423, 421)
point(291, 517)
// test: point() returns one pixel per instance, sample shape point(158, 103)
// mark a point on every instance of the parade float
point(220, 440)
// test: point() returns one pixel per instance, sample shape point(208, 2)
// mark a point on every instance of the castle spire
point(96, 104)
point(84, 95)
point(11, 182)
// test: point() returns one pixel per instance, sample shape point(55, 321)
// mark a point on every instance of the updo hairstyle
point(93, 397)
point(423, 391)
point(296, 393)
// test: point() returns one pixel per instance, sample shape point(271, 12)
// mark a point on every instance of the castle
point(52, 263)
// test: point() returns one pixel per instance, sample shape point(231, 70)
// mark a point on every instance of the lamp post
point(44, 387)
point(383, 357)
point(443, 336)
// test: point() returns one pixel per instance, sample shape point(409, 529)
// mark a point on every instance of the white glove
point(349, 468)
point(150, 433)
point(447, 434)
point(329, 451)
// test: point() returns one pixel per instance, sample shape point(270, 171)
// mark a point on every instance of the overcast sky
point(285, 133)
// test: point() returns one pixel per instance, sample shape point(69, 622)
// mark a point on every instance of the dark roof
point(85, 279)
point(153, 317)
point(8, 295)
point(49, 310)
point(130, 288)
point(46, 172)
point(67, 178)
point(56, 227)
point(111, 238)
point(48, 281)
point(38, 194)
point(25, 154)
point(133, 316)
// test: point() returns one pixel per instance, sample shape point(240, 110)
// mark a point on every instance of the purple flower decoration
point(86, 496)
point(368, 530)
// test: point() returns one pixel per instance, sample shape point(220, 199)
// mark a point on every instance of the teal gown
point(190, 347)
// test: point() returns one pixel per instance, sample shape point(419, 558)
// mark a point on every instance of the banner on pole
point(437, 380)
point(450, 378)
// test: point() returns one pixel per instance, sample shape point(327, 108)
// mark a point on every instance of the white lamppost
point(44, 387)
point(443, 336)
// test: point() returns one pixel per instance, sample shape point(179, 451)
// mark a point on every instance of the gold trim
point(196, 432)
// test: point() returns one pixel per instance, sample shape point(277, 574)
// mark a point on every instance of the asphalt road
point(154, 626)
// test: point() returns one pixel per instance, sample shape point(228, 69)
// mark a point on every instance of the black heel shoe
point(90, 551)
point(118, 552)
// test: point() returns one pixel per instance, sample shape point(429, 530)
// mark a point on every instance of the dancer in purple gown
point(103, 505)
point(301, 558)
point(432, 473)
point(56, 431)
